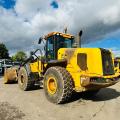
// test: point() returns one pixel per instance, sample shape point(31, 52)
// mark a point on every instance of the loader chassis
point(65, 69)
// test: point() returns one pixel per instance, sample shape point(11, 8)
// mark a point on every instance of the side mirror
point(80, 33)
point(40, 40)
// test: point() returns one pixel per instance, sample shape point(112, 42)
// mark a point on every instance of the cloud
point(21, 27)
point(116, 52)
point(111, 15)
point(29, 8)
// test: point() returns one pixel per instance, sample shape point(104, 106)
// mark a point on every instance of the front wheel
point(58, 85)
point(24, 81)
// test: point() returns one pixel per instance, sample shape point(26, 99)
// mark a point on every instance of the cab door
point(50, 48)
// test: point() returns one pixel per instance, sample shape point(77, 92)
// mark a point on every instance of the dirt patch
point(9, 112)
point(33, 105)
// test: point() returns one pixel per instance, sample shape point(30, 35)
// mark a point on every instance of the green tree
point(19, 56)
point(4, 54)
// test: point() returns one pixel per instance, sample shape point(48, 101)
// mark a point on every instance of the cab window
point(64, 42)
point(50, 48)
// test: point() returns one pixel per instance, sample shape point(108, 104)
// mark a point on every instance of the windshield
point(65, 42)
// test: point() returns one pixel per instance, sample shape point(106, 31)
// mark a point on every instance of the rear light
point(93, 80)
point(84, 80)
point(98, 80)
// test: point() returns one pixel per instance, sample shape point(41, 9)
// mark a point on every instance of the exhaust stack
point(77, 43)
point(79, 39)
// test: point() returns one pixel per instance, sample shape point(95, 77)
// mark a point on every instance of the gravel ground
point(32, 105)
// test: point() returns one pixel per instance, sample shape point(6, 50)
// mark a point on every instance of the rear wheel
point(58, 85)
point(24, 81)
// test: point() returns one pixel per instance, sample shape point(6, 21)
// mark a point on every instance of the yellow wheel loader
point(66, 67)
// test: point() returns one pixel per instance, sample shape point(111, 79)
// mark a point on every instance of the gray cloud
point(21, 27)
point(98, 31)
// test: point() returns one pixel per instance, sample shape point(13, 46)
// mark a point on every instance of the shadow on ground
point(106, 94)
point(103, 95)
point(35, 87)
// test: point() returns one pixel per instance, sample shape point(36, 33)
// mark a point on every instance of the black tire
point(64, 83)
point(24, 81)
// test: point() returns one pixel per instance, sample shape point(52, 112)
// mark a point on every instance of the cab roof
point(59, 33)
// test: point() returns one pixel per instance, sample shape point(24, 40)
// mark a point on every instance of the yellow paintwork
point(94, 65)
point(36, 66)
point(92, 55)
point(62, 34)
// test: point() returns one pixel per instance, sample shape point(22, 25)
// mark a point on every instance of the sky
point(22, 22)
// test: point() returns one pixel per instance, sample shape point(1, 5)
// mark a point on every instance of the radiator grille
point(107, 62)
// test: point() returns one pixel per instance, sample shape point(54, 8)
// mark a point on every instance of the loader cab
point(55, 41)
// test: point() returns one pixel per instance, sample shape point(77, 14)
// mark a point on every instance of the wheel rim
point(22, 79)
point(52, 85)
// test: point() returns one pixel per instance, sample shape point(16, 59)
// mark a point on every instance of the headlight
point(84, 80)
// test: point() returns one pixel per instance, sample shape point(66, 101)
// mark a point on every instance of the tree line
point(4, 54)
